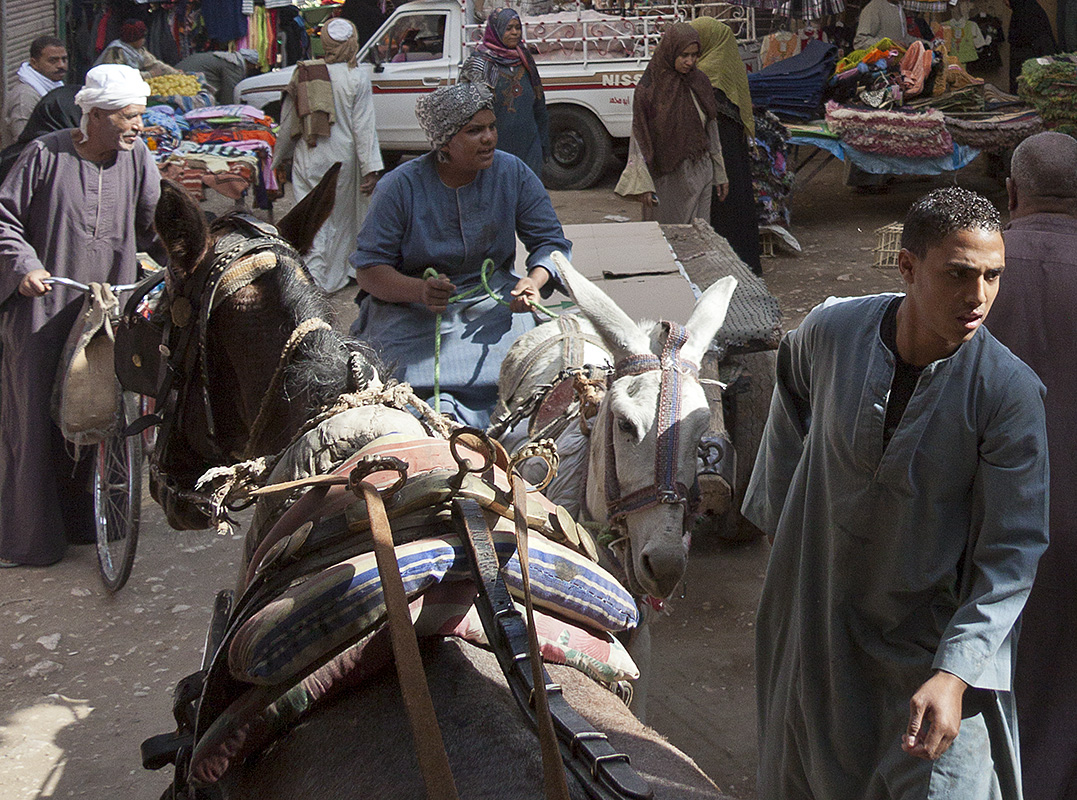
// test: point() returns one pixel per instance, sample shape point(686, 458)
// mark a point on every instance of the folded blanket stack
point(793, 87)
point(995, 132)
point(897, 133)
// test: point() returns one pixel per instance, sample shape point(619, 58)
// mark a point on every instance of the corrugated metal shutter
point(23, 21)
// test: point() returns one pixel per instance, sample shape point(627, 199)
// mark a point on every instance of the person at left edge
point(79, 204)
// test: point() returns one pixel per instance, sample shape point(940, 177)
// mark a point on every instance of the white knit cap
point(111, 87)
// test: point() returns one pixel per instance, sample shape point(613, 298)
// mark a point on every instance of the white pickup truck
point(589, 62)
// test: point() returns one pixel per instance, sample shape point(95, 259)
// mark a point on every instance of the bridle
point(192, 299)
point(666, 490)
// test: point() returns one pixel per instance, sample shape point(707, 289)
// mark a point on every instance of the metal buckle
point(369, 465)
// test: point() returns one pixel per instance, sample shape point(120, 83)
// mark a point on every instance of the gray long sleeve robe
point(890, 564)
point(79, 220)
point(1033, 315)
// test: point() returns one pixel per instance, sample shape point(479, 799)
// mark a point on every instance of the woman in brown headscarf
point(674, 156)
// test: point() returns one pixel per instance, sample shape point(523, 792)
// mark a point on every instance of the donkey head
point(647, 431)
point(221, 389)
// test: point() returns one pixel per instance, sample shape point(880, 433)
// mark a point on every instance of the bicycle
point(117, 480)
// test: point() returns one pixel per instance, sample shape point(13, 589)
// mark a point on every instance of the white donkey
point(641, 457)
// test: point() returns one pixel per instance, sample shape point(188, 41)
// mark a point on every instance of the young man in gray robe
point(903, 478)
point(1034, 317)
point(77, 204)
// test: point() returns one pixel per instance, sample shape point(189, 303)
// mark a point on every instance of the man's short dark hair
point(944, 211)
point(38, 45)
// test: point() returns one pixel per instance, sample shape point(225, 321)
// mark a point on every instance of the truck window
point(413, 37)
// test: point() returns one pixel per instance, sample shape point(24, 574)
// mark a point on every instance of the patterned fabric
point(346, 602)
point(924, 6)
point(891, 132)
point(251, 722)
point(809, 9)
point(443, 113)
point(996, 132)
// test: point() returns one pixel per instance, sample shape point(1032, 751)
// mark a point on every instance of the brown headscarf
point(340, 41)
point(665, 122)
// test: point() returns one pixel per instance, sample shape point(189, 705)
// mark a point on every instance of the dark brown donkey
point(356, 745)
point(240, 292)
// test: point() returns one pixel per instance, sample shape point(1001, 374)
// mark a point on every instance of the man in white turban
point(79, 204)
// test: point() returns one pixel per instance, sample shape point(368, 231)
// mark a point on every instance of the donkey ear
point(618, 331)
point(182, 227)
point(707, 318)
point(300, 225)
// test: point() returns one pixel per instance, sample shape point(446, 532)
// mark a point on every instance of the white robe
point(353, 141)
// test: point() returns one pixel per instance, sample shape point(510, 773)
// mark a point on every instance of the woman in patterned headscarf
point(674, 155)
point(736, 218)
point(502, 62)
point(449, 211)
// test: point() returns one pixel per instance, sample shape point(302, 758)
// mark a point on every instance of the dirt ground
point(85, 676)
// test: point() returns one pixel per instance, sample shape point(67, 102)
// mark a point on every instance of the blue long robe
point(416, 221)
point(889, 564)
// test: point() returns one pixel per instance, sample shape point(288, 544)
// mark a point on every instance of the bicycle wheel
point(118, 498)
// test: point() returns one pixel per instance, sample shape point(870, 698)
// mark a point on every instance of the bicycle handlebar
point(82, 287)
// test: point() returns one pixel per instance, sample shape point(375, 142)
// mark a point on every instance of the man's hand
point(370, 180)
point(934, 716)
point(32, 285)
point(436, 293)
point(723, 191)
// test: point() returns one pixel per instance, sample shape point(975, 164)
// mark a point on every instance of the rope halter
point(666, 490)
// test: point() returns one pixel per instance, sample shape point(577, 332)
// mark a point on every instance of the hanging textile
point(924, 6)
point(224, 19)
point(809, 9)
point(160, 39)
point(249, 6)
point(262, 36)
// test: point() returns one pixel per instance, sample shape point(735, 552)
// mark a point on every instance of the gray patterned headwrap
point(444, 112)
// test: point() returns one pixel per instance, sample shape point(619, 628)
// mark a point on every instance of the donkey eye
point(625, 426)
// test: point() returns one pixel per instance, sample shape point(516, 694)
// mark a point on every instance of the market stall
point(228, 149)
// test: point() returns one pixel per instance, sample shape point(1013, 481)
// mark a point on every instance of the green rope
point(486, 265)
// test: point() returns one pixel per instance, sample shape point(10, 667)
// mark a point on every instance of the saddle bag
point(139, 336)
point(85, 398)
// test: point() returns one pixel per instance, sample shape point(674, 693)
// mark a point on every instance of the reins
point(430, 272)
point(666, 490)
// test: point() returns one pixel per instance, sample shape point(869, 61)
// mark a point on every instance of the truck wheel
point(747, 420)
point(580, 149)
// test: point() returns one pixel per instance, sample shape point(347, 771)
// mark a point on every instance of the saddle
point(311, 617)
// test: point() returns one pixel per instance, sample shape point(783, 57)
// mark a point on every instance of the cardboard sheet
point(633, 264)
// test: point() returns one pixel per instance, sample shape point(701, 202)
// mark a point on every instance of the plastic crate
point(886, 251)
point(766, 244)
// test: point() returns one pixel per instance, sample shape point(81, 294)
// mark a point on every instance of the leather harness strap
point(604, 773)
point(666, 489)
point(429, 747)
point(553, 769)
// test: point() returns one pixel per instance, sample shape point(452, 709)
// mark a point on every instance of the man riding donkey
point(77, 204)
